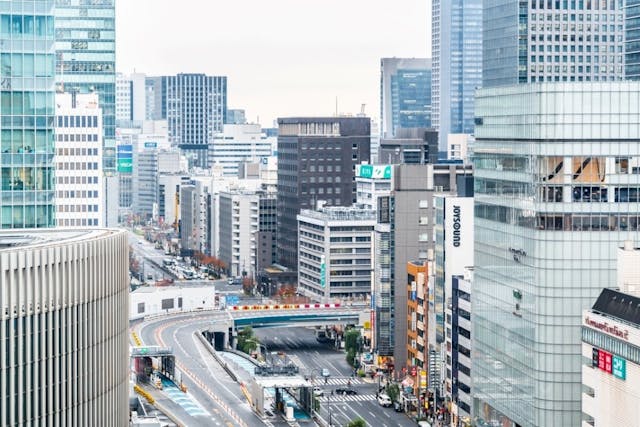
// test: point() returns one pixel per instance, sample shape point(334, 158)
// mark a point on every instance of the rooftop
point(617, 305)
point(341, 213)
point(24, 238)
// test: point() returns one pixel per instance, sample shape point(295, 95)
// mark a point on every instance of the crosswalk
point(340, 381)
point(349, 398)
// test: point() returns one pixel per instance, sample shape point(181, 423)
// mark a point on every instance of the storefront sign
point(456, 226)
point(605, 361)
point(619, 368)
point(605, 327)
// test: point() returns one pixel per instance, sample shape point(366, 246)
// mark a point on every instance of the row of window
point(572, 58)
point(78, 222)
point(77, 137)
point(77, 151)
point(77, 165)
point(77, 121)
point(77, 208)
point(77, 180)
point(612, 345)
point(573, 69)
point(78, 193)
point(577, 4)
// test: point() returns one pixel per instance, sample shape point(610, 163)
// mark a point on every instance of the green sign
point(374, 171)
point(125, 165)
point(619, 368)
point(322, 272)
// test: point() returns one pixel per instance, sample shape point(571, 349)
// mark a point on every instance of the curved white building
point(64, 328)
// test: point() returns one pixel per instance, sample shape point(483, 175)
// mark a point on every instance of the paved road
point(218, 399)
point(311, 356)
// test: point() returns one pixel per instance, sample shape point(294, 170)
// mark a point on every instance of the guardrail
point(284, 307)
point(144, 393)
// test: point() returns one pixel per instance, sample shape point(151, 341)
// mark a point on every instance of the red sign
point(414, 371)
point(604, 361)
point(605, 327)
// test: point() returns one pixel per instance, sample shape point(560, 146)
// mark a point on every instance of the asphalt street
point(301, 346)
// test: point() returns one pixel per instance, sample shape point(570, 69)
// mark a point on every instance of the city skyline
point(345, 61)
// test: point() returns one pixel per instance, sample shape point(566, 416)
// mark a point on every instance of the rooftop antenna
point(336, 106)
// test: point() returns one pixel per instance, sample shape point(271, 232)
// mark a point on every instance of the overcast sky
point(282, 57)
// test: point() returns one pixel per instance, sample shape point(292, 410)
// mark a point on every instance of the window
point(423, 204)
point(423, 237)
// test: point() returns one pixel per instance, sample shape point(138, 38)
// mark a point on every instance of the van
point(384, 400)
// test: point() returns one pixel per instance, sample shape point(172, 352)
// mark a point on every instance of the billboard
point(125, 158)
point(374, 171)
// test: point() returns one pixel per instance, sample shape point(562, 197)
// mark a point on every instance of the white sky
point(282, 57)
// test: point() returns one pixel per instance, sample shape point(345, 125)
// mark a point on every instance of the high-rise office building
point(536, 41)
point(85, 44)
point(237, 144)
point(557, 171)
point(457, 65)
point(79, 177)
point(64, 331)
point(405, 94)
point(195, 106)
point(631, 9)
point(27, 108)
point(316, 161)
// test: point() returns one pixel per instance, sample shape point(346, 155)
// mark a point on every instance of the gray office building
point(412, 146)
point(195, 107)
point(536, 41)
point(316, 161)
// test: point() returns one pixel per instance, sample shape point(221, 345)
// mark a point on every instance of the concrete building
point(85, 47)
point(611, 361)
point(456, 36)
point(373, 182)
point(195, 106)
point(552, 41)
point(404, 231)
point(414, 146)
point(334, 259)
point(239, 225)
point(236, 117)
point(169, 197)
point(123, 97)
point(266, 237)
point(239, 143)
point(405, 90)
point(417, 315)
point(316, 161)
point(631, 39)
point(78, 161)
point(458, 345)
point(628, 269)
point(28, 145)
point(550, 212)
point(151, 300)
point(64, 332)
point(458, 146)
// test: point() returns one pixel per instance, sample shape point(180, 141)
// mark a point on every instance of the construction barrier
point(144, 394)
point(136, 339)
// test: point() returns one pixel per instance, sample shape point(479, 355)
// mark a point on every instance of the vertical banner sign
point(322, 271)
point(423, 379)
point(619, 368)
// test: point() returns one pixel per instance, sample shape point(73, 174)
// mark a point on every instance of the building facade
point(457, 65)
point(405, 94)
point(632, 39)
point(555, 194)
point(28, 109)
point(540, 41)
point(78, 161)
point(334, 259)
point(64, 340)
point(410, 145)
point(316, 161)
point(195, 106)
point(239, 143)
point(611, 360)
point(417, 315)
point(85, 44)
point(458, 345)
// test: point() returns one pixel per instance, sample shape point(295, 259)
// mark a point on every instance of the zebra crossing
point(340, 381)
point(350, 398)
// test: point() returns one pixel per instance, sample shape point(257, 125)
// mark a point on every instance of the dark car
point(349, 391)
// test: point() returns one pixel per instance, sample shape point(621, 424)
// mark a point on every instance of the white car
point(317, 391)
point(384, 400)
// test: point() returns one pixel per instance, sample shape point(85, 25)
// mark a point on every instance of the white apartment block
point(78, 161)
point(334, 253)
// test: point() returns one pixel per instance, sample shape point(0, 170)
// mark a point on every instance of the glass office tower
point(632, 39)
point(457, 65)
point(86, 54)
point(557, 186)
point(560, 40)
point(405, 94)
point(27, 87)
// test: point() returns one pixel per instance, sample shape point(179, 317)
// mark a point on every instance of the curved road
point(207, 382)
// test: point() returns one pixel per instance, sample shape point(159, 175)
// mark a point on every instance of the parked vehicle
point(317, 391)
point(397, 407)
point(384, 400)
